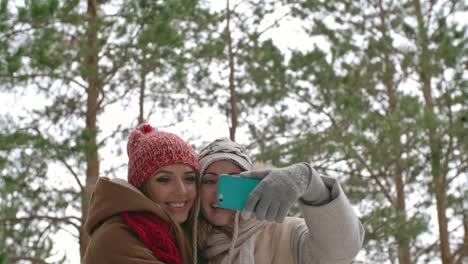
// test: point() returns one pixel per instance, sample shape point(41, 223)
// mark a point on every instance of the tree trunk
point(463, 250)
point(441, 201)
point(232, 90)
point(439, 177)
point(141, 117)
point(402, 237)
point(93, 91)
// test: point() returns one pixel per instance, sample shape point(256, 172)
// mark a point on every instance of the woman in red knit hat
point(152, 217)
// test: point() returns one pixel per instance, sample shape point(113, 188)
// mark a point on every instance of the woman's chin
point(220, 216)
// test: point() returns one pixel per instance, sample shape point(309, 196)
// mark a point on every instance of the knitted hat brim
point(239, 161)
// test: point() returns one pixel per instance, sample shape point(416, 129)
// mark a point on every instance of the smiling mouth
point(177, 204)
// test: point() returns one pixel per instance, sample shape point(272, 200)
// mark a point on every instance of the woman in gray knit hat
point(330, 231)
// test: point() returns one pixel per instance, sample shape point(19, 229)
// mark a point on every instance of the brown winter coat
point(112, 241)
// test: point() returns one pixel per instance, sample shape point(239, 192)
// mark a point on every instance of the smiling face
point(174, 188)
point(215, 215)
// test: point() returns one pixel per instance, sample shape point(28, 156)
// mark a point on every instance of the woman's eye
point(191, 178)
point(209, 181)
point(163, 179)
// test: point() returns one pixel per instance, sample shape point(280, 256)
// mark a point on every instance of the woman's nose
point(180, 187)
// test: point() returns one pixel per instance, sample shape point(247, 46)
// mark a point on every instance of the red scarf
point(156, 234)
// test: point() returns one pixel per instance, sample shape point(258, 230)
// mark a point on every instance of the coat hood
point(114, 196)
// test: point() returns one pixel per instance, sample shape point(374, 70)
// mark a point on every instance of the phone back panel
point(233, 191)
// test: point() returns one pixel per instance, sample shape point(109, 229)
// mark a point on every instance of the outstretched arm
point(332, 232)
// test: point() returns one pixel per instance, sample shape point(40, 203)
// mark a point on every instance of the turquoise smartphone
point(234, 190)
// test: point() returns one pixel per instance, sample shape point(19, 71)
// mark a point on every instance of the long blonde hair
point(185, 233)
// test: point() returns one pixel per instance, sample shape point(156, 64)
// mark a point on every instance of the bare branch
point(258, 34)
point(238, 4)
point(112, 170)
point(109, 102)
point(429, 12)
point(432, 245)
point(44, 232)
point(75, 175)
point(426, 249)
point(461, 253)
point(275, 23)
point(459, 171)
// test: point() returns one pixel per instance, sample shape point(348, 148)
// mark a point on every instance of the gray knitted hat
point(224, 149)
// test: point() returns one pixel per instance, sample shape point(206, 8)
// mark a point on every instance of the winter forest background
point(373, 92)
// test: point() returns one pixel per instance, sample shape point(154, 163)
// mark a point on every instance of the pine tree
point(26, 197)
point(363, 115)
point(159, 36)
point(239, 59)
point(78, 56)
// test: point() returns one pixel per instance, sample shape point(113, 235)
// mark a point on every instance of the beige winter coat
point(330, 233)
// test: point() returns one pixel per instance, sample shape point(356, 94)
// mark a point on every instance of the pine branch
point(376, 179)
point(317, 108)
point(452, 9)
point(54, 219)
point(338, 171)
point(361, 160)
point(107, 77)
point(14, 32)
point(25, 22)
point(111, 73)
point(44, 75)
point(15, 259)
point(70, 169)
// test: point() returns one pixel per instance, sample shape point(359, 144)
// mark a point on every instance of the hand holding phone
point(234, 190)
point(278, 190)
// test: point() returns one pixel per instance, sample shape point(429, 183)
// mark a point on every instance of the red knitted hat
point(149, 150)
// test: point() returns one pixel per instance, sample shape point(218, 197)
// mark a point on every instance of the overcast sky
point(202, 125)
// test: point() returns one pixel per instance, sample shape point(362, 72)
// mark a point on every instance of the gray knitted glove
point(280, 188)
